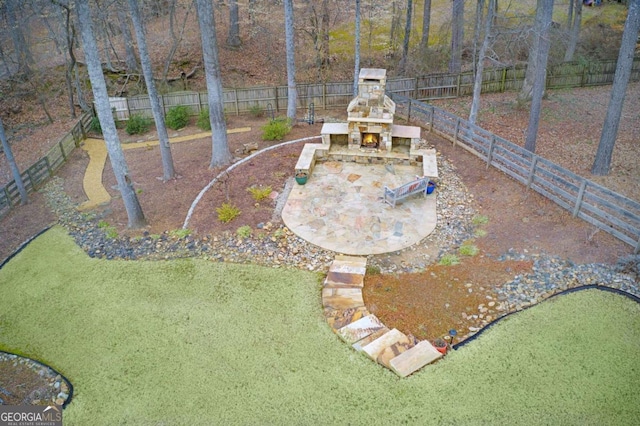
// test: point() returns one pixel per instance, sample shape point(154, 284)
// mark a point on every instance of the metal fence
point(338, 95)
point(603, 208)
point(42, 169)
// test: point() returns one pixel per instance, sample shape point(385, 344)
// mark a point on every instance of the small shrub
point(256, 111)
point(177, 117)
point(480, 220)
point(449, 260)
point(203, 120)
point(373, 270)
point(244, 231)
point(111, 233)
point(94, 125)
point(260, 192)
point(103, 224)
point(480, 233)
point(276, 129)
point(180, 233)
point(138, 124)
point(227, 212)
point(468, 250)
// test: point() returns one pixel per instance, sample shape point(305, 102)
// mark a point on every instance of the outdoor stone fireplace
point(369, 129)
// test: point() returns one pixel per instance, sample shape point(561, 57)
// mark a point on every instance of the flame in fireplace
point(369, 139)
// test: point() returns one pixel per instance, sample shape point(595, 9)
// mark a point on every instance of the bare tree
point(544, 42)
point(426, 23)
point(20, 45)
point(116, 156)
point(233, 38)
point(168, 171)
point(609, 133)
point(175, 38)
point(220, 153)
point(407, 36)
point(574, 30)
point(15, 171)
point(130, 54)
point(356, 71)
point(292, 98)
point(457, 36)
point(477, 85)
point(526, 91)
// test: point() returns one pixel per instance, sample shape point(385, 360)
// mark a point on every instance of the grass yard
point(193, 342)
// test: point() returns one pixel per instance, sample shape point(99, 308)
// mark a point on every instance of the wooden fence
point(338, 95)
point(42, 169)
point(601, 207)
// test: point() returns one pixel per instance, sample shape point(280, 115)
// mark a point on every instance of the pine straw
point(195, 342)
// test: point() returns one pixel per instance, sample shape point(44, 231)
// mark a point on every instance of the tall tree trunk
point(356, 70)
point(476, 31)
point(20, 45)
point(544, 43)
point(526, 90)
point(574, 31)
point(457, 36)
point(407, 36)
point(602, 160)
point(220, 155)
point(324, 33)
point(130, 54)
point(101, 99)
point(426, 23)
point(168, 171)
point(570, 14)
point(175, 39)
point(292, 98)
point(15, 171)
point(233, 38)
point(477, 85)
point(69, 39)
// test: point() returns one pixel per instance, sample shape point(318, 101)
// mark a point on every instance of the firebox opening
point(370, 140)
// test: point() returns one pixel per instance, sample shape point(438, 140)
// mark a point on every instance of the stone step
point(378, 346)
point(394, 351)
point(343, 280)
point(360, 329)
point(349, 264)
point(342, 298)
point(370, 338)
point(414, 359)
point(338, 318)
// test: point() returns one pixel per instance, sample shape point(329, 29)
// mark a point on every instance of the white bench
point(392, 196)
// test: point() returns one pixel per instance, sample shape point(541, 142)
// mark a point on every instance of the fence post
point(582, 82)
point(324, 95)
point(415, 88)
point(46, 161)
point(433, 117)
point(64, 156)
point(490, 153)
point(576, 208)
point(455, 133)
point(458, 86)
point(409, 111)
point(504, 79)
point(532, 171)
point(6, 194)
point(235, 93)
point(637, 249)
point(276, 100)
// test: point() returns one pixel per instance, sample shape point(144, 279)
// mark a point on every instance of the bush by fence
point(42, 169)
point(338, 95)
point(603, 208)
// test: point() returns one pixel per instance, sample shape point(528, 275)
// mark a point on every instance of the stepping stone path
point(349, 318)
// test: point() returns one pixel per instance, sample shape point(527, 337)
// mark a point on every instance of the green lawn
point(194, 342)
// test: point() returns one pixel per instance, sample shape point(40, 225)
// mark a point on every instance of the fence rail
point(34, 176)
point(601, 207)
point(338, 95)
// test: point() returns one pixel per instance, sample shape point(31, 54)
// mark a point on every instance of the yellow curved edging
point(92, 180)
